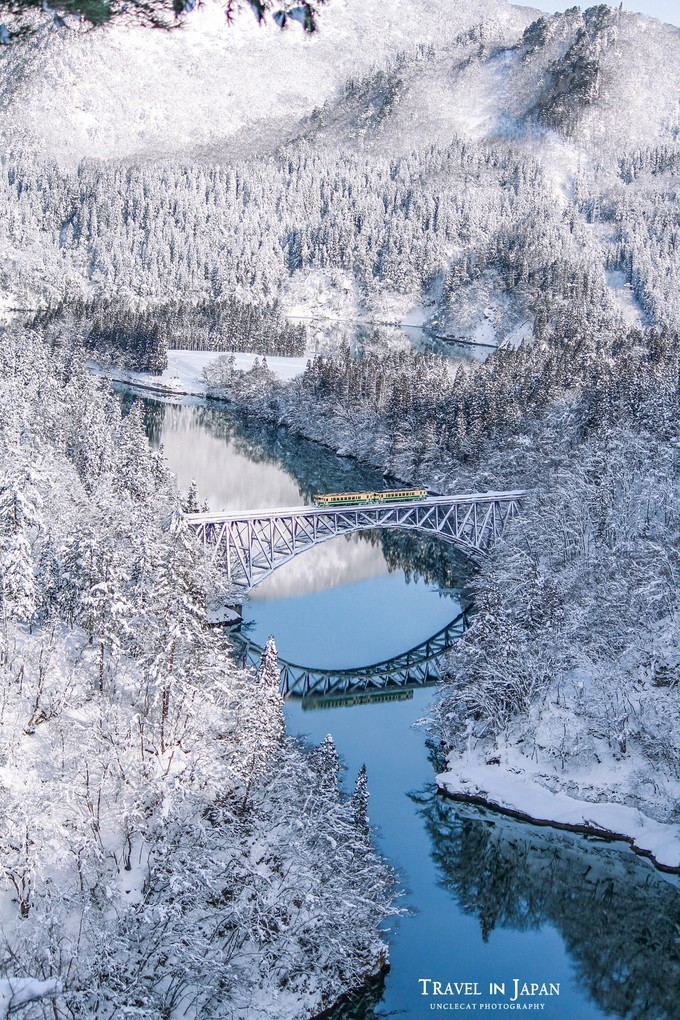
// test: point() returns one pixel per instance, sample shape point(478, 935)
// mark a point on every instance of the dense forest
point(471, 223)
point(139, 338)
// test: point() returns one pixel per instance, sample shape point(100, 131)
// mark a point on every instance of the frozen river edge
point(513, 792)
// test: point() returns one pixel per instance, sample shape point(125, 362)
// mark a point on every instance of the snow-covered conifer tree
point(268, 672)
point(360, 800)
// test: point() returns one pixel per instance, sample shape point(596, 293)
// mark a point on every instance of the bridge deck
point(218, 516)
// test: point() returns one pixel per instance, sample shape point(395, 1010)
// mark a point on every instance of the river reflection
point(419, 666)
point(618, 916)
point(242, 464)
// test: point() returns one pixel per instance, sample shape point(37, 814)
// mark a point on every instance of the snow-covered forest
point(567, 199)
point(165, 850)
point(471, 223)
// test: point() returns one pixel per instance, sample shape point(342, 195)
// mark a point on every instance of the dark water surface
point(493, 900)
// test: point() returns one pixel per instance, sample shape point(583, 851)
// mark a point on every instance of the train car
point(358, 498)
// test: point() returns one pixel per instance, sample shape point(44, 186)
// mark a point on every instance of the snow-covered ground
point(7, 303)
point(207, 78)
point(622, 294)
point(19, 991)
point(184, 373)
point(513, 788)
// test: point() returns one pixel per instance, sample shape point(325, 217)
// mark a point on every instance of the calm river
point(492, 900)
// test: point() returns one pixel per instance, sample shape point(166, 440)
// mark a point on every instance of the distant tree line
point(24, 17)
point(461, 214)
point(140, 338)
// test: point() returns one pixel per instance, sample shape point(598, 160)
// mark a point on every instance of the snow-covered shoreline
point(513, 792)
point(184, 374)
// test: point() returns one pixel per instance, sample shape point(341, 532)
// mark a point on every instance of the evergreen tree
point(327, 765)
point(268, 672)
point(360, 800)
point(191, 504)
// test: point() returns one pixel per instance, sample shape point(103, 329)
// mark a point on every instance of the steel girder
point(252, 545)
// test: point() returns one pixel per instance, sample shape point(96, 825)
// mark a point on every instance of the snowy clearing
point(184, 373)
point(18, 991)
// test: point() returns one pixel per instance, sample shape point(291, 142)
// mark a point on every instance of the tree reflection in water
point(313, 468)
point(618, 916)
point(362, 1006)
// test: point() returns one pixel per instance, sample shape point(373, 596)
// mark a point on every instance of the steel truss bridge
point(252, 545)
point(418, 667)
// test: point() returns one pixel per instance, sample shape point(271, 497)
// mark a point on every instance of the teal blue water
point(354, 624)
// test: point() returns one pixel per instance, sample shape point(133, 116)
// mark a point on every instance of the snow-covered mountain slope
point(379, 74)
point(605, 79)
point(481, 165)
point(125, 90)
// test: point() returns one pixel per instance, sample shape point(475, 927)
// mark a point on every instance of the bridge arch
point(252, 545)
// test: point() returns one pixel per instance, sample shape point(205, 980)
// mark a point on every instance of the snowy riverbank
point(152, 803)
point(539, 798)
point(184, 374)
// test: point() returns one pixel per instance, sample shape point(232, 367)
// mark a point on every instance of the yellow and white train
point(358, 498)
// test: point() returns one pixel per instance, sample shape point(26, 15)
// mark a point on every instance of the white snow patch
point(184, 373)
point(513, 790)
point(18, 991)
point(415, 319)
point(561, 161)
point(622, 294)
point(8, 304)
point(328, 303)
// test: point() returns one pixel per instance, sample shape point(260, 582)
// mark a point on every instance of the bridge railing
point(195, 520)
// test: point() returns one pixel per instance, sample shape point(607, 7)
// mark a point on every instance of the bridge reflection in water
point(391, 679)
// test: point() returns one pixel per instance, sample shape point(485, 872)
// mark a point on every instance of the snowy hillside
point(159, 853)
point(473, 172)
point(593, 77)
point(128, 91)
point(419, 73)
